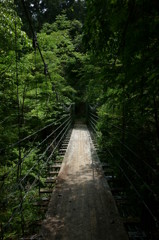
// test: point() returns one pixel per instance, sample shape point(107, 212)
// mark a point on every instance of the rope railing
point(95, 116)
point(31, 158)
point(134, 171)
point(58, 135)
point(53, 151)
point(36, 147)
point(149, 167)
point(130, 150)
point(115, 126)
point(68, 126)
point(140, 197)
point(33, 134)
point(44, 153)
point(136, 191)
point(47, 148)
point(93, 120)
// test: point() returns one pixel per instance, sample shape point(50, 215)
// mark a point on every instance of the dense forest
point(62, 54)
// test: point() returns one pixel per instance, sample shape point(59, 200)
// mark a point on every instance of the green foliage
point(122, 40)
point(8, 22)
point(63, 40)
point(28, 103)
point(115, 69)
point(46, 11)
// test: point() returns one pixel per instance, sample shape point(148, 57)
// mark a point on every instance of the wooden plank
point(82, 206)
point(58, 161)
point(50, 180)
point(53, 173)
point(42, 190)
point(62, 150)
point(45, 199)
point(55, 165)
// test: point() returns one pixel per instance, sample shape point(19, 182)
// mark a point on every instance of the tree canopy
point(101, 53)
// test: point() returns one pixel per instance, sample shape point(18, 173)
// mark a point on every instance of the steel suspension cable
point(138, 157)
point(129, 133)
point(44, 153)
point(31, 135)
point(68, 125)
point(36, 180)
point(137, 174)
point(136, 191)
point(19, 169)
point(45, 163)
point(32, 185)
point(31, 150)
point(130, 150)
point(47, 160)
point(38, 47)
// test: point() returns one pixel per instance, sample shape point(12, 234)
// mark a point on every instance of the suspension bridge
point(82, 206)
point(71, 188)
point(75, 193)
point(65, 187)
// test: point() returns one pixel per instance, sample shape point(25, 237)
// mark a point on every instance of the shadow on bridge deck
point(82, 206)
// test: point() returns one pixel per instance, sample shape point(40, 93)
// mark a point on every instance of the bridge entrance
point(80, 110)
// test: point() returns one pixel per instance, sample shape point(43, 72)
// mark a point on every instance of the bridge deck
point(81, 206)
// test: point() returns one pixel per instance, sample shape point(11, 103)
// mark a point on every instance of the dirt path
point(81, 206)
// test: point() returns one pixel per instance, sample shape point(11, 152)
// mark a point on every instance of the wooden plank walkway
point(82, 206)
